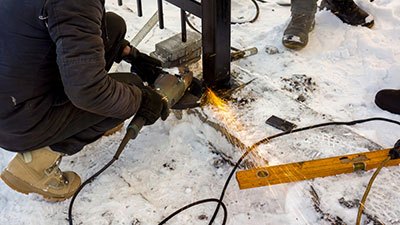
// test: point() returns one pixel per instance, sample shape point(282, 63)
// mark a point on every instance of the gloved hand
point(153, 106)
point(147, 67)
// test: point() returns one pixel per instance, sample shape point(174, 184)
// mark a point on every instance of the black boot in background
point(388, 100)
point(295, 35)
point(348, 12)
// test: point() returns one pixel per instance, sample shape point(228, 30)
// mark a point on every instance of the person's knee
point(116, 25)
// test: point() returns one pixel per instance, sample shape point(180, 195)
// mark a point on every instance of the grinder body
point(172, 88)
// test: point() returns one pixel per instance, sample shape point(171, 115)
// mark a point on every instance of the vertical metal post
point(183, 25)
point(139, 8)
point(160, 14)
point(216, 31)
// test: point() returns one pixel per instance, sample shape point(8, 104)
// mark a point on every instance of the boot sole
point(295, 45)
point(25, 188)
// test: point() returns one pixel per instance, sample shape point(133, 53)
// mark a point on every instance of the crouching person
point(55, 93)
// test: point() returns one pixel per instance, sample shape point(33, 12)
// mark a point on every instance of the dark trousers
point(304, 6)
point(79, 127)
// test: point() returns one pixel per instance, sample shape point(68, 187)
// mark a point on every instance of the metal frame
point(216, 31)
point(216, 37)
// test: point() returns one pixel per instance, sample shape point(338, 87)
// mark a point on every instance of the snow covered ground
point(176, 162)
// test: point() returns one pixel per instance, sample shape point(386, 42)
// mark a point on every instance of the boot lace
point(55, 172)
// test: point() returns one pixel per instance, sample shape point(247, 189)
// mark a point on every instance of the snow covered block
point(173, 48)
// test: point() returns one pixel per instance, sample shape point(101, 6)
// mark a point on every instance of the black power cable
point(88, 181)
point(220, 202)
point(263, 141)
point(131, 133)
point(254, 19)
point(255, 16)
point(198, 203)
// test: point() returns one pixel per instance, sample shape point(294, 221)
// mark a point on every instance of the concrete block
point(173, 48)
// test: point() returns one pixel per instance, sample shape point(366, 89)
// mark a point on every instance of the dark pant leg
point(304, 6)
point(83, 127)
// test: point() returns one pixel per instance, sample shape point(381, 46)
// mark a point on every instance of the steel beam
point(216, 30)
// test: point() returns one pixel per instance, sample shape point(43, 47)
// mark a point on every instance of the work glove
point(147, 67)
point(153, 106)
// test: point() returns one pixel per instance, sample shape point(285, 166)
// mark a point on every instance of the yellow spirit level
point(306, 170)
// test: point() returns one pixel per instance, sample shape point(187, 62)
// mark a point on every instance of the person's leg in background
point(302, 20)
point(348, 12)
point(301, 23)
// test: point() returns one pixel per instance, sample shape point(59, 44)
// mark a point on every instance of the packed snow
point(183, 159)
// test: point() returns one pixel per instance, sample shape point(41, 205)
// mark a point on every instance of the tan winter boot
point(37, 172)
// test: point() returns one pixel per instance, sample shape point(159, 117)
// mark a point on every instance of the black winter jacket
point(49, 51)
